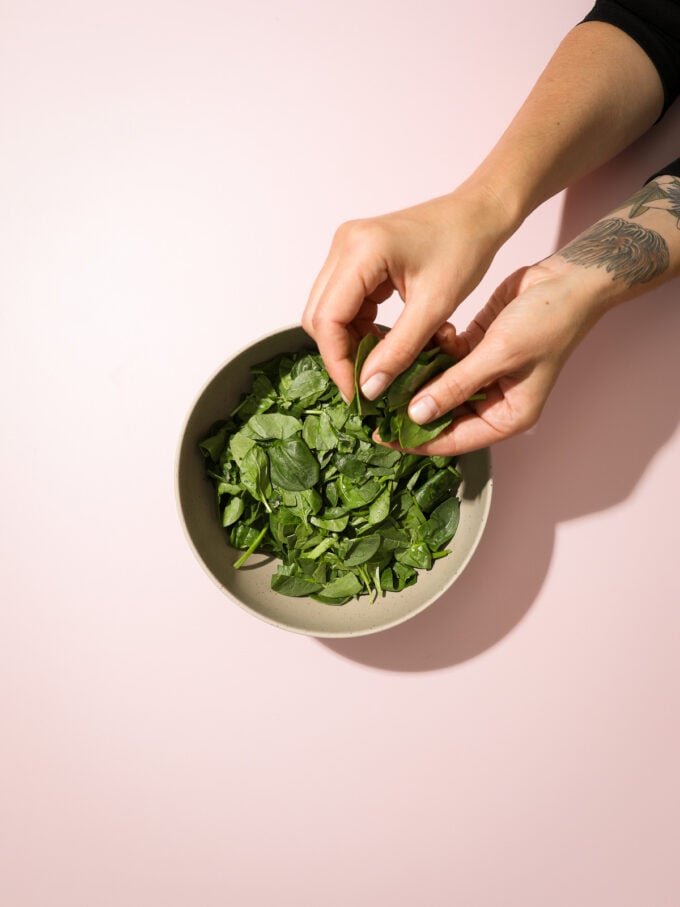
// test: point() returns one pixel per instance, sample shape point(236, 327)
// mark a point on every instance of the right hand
point(433, 255)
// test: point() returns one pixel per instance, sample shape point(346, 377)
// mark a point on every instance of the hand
point(433, 255)
point(513, 350)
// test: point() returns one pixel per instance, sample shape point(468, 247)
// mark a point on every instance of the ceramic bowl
point(250, 586)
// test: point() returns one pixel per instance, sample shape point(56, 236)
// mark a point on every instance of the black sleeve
point(655, 26)
point(672, 169)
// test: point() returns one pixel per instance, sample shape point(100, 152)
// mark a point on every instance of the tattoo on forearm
point(627, 251)
point(656, 196)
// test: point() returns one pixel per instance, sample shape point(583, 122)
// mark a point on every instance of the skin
point(597, 94)
point(516, 347)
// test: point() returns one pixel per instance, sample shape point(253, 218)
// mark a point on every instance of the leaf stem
point(246, 554)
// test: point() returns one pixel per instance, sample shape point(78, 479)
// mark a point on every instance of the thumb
point(487, 362)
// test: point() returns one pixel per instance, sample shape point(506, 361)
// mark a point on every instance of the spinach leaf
point(232, 511)
point(255, 474)
point(265, 426)
point(294, 585)
point(344, 586)
point(360, 405)
point(428, 365)
point(442, 524)
point(308, 385)
point(441, 485)
point(293, 466)
point(361, 551)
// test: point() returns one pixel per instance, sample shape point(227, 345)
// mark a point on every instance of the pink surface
point(170, 177)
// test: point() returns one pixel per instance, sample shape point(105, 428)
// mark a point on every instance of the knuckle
point(450, 390)
point(360, 235)
point(400, 351)
point(501, 346)
point(505, 351)
point(316, 321)
point(524, 421)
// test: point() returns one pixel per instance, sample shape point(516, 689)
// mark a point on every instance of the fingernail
point(423, 410)
point(375, 385)
point(345, 399)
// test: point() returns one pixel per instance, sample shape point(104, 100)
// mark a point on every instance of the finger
point(342, 300)
point(483, 366)
point(499, 299)
point(451, 342)
point(412, 330)
point(316, 292)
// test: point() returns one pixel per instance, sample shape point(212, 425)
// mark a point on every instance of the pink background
point(170, 178)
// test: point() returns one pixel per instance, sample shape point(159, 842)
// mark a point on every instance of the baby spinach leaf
point(380, 508)
point(308, 385)
point(417, 555)
point(442, 524)
point(354, 495)
point(214, 445)
point(294, 585)
point(410, 434)
point(360, 405)
point(442, 484)
point(255, 474)
point(344, 586)
point(293, 466)
point(334, 519)
point(427, 366)
point(266, 426)
point(361, 550)
point(232, 511)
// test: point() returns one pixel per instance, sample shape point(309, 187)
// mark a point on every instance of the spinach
point(293, 466)
point(297, 475)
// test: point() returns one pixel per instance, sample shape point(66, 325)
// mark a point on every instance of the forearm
point(598, 93)
point(632, 250)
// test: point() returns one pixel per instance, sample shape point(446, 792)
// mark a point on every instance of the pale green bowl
point(249, 586)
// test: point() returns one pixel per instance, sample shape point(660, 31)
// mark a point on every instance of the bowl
point(250, 586)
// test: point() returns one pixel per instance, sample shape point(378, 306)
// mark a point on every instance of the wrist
point(589, 292)
point(494, 211)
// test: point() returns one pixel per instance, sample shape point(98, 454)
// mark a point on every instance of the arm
point(597, 94)
point(518, 344)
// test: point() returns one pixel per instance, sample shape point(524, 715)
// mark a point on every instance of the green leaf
point(426, 366)
point(441, 485)
point(411, 435)
point(380, 507)
point(293, 466)
point(417, 555)
point(265, 426)
point(360, 405)
point(294, 585)
point(361, 551)
point(239, 445)
point(354, 496)
point(309, 385)
point(334, 519)
point(255, 474)
point(345, 586)
point(442, 524)
point(215, 444)
point(233, 511)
